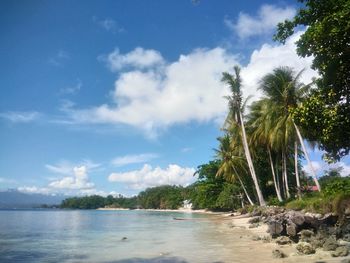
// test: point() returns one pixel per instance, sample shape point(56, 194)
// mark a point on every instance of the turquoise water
point(98, 236)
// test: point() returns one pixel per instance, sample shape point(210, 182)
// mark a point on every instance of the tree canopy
point(326, 114)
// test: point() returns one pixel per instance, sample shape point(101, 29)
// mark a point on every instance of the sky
point(112, 97)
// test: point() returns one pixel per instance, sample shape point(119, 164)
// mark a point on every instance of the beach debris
point(340, 252)
point(276, 253)
point(305, 248)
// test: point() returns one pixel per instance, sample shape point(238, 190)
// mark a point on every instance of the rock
point(345, 260)
point(330, 244)
point(283, 240)
point(317, 241)
point(253, 220)
point(340, 252)
point(124, 238)
point(305, 248)
point(275, 228)
point(276, 253)
point(306, 235)
point(296, 217)
point(291, 229)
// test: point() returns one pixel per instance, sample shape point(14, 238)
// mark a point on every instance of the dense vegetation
point(95, 201)
point(325, 115)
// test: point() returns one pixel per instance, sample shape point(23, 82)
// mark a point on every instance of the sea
point(123, 236)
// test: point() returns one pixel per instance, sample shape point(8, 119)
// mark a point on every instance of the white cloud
point(149, 177)
point(345, 168)
point(67, 168)
point(317, 167)
point(109, 25)
point(20, 116)
point(185, 90)
point(263, 23)
point(79, 180)
point(132, 159)
point(138, 58)
point(268, 57)
point(35, 190)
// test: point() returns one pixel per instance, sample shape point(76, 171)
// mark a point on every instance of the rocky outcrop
point(310, 231)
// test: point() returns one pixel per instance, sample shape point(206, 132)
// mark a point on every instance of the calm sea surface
point(98, 236)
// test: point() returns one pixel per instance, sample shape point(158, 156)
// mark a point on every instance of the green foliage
point(161, 197)
point(337, 185)
point(334, 198)
point(325, 116)
point(95, 201)
point(229, 198)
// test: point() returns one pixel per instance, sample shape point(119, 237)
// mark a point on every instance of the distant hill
point(15, 199)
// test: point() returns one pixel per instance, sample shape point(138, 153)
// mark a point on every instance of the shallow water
point(98, 236)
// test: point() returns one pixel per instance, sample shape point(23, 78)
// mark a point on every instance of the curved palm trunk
point(296, 167)
point(307, 157)
point(284, 168)
point(278, 192)
point(245, 191)
point(250, 163)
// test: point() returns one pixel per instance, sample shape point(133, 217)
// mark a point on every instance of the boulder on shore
point(305, 248)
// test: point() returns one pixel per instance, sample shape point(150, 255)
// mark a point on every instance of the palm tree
point(261, 124)
point(235, 116)
point(284, 91)
point(231, 165)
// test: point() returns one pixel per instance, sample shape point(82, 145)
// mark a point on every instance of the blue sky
point(116, 96)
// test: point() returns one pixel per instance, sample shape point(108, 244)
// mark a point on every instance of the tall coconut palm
point(233, 165)
point(261, 122)
point(284, 91)
point(235, 115)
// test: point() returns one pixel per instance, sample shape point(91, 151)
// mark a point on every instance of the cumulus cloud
point(188, 89)
point(268, 57)
point(149, 177)
point(132, 159)
point(263, 23)
point(138, 58)
point(79, 180)
point(185, 90)
point(20, 116)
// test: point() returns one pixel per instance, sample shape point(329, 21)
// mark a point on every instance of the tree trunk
point(296, 167)
point(245, 191)
point(284, 167)
point(274, 177)
point(250, 163)
point(307, 157)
